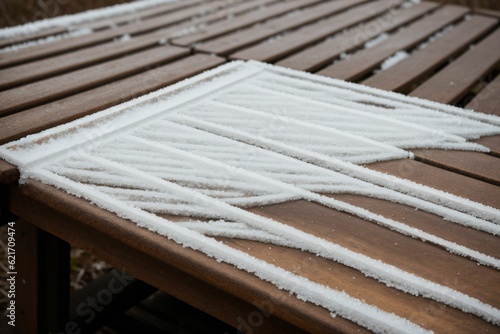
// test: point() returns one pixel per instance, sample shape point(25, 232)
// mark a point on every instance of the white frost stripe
point(293, 191)
point(384, 180)
point(388, 148)
point(417, 102)
point(388, 274)
point(340, 303)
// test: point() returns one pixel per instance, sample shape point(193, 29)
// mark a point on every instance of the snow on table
point(248, 134)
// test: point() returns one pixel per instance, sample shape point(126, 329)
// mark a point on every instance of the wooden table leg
point(42, 282)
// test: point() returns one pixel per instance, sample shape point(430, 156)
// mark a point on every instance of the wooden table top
point(451, 55)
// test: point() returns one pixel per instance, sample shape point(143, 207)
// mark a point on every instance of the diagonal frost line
point(397, 153)
point(368, 316)
point(388, 274)
point(205, 141)
point(256, 178)
point(389, 96)
point(384, 180)
point(338, 104)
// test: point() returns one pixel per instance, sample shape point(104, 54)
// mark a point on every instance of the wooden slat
point(306, 36)
point(243, 21)
point(492, 142)
point(430, 223)
point(227, 44)
point(377, 242)
point(487, 12)
point(477, 165)
point(17, 75)
point(102, 22)
point(179, 271)
point(441, 179)
point(77, 81)
point(401, 76)
point(365, 61)
point(32, 36)
point(455, 80)
point(58, 47)
point(32, 71)
point(488, 99)
point(322, 54)
point(36, 119)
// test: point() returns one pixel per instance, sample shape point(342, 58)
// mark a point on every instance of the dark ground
point(15, 12)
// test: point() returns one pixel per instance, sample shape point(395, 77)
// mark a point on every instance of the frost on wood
point(186, 161)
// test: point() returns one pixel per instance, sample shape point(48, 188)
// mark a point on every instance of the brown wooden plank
point(36, 119)
point(58, 47)
point(404, 74)
point(181, 272)
point(32, 36)
point(480, 241)
point(306, 36)
point(454, 81)
point(325, 52)
point(24, 73)
point(487, 12)
point(492, 142)
point(488, 99)
point(365, 61)
point(237, 40)
point(441, 179)
point(242, 21)
point(477, 165)
point(416, 309)
point(73, 82)
point(377, 242)
point(8, 172)
point(101, 23)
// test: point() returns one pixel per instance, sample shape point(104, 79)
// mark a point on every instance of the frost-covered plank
point(454, 81)
point(367, 60)
point(134, 28)
point(292, 41)
point(317, 56)
point(419, 64)
point(243, 21)
point(239, 39)
point(50, 89)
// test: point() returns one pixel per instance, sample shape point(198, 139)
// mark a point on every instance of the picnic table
point(444, 53)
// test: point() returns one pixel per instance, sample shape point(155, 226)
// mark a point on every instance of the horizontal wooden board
point(242, 21)
point(78, 81)
point(322, 54)
point(239, 39)
point(456, 79)
point(365, 61)
point(302, 38)
point(67, 109)
point(477, 165)
point(406, 73)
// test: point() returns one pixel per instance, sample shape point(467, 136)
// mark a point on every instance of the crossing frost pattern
point(186, 160)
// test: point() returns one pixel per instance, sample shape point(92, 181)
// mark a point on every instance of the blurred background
point(15, 12)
